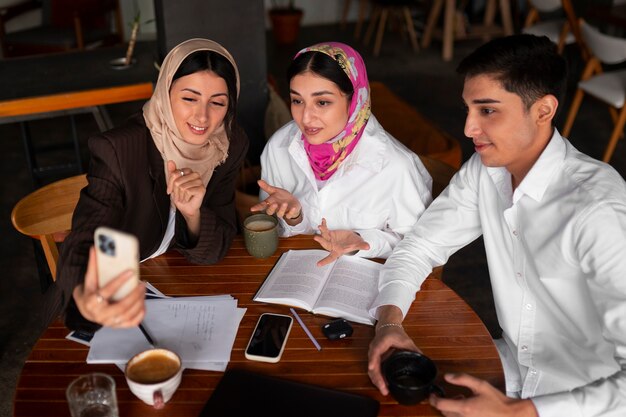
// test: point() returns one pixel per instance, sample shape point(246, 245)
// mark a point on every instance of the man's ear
point(545, 109)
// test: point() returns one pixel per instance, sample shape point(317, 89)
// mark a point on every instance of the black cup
point(410, 377)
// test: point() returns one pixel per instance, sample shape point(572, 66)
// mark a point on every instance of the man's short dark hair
point(526, 65)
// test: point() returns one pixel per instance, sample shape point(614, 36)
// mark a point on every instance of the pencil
point(147, 335)
point(306, 329)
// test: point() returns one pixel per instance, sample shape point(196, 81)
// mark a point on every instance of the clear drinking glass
point(92, 395)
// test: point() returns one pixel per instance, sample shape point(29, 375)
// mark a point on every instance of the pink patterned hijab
point(325, 158)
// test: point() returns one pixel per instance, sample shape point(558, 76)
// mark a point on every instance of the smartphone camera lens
point(107, 245)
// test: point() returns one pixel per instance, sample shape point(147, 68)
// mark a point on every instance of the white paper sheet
point(201, 330)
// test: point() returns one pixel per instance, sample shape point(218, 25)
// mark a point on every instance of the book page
point(351, 289)
point(296, 279)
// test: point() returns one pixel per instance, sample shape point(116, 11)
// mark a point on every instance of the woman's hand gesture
point(187, 192)
point(281, 202)
point(338, 242)
point(94, 304)
point(186, 189)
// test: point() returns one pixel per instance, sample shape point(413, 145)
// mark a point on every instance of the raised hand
point(281, 202)
point(186, 189)
point(338, 242)
point(487, 401)
point(94, 304)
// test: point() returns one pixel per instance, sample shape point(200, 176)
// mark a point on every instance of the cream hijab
point(157, 113)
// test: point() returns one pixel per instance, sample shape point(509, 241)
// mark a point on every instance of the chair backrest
point(440, 172)
point(46, 214)
point(608, 49)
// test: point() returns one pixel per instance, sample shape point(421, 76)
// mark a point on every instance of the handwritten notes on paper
point(201, 330)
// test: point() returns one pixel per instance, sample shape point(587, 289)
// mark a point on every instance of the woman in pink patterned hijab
point(334, 166)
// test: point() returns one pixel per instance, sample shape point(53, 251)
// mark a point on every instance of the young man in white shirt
point(554, 227)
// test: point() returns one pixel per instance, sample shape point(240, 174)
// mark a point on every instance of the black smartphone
point(269, 338)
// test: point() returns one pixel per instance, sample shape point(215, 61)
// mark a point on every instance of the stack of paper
point(201, 330)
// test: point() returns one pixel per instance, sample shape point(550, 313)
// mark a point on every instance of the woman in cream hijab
point(167, 176)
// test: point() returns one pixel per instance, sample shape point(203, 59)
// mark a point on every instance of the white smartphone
point(116, 252)
point(269, 338)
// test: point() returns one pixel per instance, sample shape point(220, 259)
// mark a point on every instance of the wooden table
point(440, 322)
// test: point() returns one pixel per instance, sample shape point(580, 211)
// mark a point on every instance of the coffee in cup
point(410, 377)
point(260, 232)
point(154, 375)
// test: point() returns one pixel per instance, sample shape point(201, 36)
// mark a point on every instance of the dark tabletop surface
point(75, 71)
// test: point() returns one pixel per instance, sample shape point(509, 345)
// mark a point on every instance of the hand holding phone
point(269, 338)
point(116, 252)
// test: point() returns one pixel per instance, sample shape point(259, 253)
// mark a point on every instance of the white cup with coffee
point(154, 375)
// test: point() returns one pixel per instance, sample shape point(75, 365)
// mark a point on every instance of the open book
point(346, 288)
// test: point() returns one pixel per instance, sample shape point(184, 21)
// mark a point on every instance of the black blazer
point(127, 190)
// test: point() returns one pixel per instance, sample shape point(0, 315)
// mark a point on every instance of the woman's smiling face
point(199, 104)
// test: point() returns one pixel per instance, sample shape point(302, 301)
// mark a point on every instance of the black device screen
point(269, 335)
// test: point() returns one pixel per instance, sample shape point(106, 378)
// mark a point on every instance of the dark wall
point(240, 27)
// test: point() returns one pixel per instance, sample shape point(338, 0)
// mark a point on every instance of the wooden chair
point(67, 25)
point(557, 30)
point(381, 10)
point(46, 215)
point(609, 87)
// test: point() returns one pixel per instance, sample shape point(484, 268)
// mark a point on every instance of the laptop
point(243, 393)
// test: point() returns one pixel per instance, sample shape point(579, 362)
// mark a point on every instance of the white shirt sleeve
point(450, 222)
point(601, 253)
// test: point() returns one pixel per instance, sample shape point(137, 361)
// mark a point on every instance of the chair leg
point(433, 16)
point(359, 23)
point(448, 30)
point(573, 111)
point(372, 25)
point(410, 28)
point(344, 14)
point(29, 150)
point(381, 30)
point(617, 132)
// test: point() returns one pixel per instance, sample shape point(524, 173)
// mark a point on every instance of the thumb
point(266, 187)
point(171, 166)
point(465, 380)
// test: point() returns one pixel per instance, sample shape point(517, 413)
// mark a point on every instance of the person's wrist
point(380, 326)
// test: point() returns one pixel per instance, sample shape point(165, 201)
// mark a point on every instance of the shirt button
point(518, 274)
point(533, 372)
point(524, 348)
point(529, 306)
point(514, 232)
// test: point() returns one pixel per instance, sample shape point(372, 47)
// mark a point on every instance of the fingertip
point(450, 376)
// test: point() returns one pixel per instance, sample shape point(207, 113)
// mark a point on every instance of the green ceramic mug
point(260, 233)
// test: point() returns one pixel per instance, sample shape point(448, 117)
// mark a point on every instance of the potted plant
point(285, 18)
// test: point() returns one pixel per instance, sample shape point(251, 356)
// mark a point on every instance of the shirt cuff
point(379, 248)
point(395, 294)
point(299, 229)
point(557, 405)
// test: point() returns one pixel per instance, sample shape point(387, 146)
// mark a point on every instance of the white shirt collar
point(540, 175)
point(538, 178)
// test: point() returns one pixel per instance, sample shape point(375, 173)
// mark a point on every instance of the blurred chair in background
point(384, 9)
point(557, 29)
point(609, 87)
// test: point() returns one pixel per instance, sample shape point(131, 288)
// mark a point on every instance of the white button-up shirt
point(378, 191)
point(556, 250)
